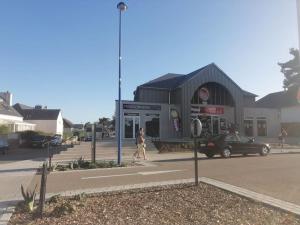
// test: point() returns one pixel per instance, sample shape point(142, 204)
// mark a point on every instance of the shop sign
point(141, 107)
point(212, 110)
point(203, 94)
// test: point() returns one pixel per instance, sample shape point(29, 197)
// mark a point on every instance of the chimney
point(7, 97)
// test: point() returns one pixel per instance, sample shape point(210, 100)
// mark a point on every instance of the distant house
point(68, 126)
point(11, 117)
point(78, 127)
point(46, 120)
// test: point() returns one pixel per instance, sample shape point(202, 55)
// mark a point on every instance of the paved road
point(275, 175)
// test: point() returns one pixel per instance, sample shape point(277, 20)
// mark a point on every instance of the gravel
point(173, 204)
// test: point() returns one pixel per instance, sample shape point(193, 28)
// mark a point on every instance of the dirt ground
point(176, 204)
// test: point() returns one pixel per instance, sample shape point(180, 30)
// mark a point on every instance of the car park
point(39, 141)
point(56, 140)
point(88, 138)
point(3, 146)
point(230, 144)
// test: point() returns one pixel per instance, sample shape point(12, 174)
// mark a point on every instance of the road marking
point(132, 174)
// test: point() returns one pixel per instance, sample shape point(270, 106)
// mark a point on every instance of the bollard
point(196, 129)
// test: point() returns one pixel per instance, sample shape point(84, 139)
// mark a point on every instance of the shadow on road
point(204, 158)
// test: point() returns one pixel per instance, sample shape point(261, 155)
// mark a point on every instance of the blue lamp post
point(122, 7)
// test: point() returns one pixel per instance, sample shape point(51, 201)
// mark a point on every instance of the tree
point(291, 70)
point(104, 121)
point(4, 129)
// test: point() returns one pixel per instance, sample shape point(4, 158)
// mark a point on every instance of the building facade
point(165, 107)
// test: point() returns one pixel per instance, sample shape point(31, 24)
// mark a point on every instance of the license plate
point(202, 145)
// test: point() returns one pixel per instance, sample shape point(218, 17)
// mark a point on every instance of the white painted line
point(158, 172)
point(132, 174)
point(117, 175)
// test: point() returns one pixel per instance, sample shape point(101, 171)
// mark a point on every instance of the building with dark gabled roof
point(11, 117)
point(165, 106)
point(286, 106)
point(46, 120)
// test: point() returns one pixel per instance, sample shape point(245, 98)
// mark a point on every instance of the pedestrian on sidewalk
point(282, 135)
point(140, 141)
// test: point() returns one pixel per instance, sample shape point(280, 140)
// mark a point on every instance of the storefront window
point(131, 125)
point(248, 128)
point(261, 127)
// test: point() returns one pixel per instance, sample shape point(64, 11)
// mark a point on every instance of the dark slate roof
point(19, 107)
point(40, 114)
point(247, 93)
point(5, 109)
point(172, 81)
point(67, 123)
point(168, 81)
point(278, 100)
point(78, 126)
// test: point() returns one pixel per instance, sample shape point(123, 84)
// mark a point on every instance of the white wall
point(60, 124)
point(290, 114)
point(47, 126)
point(272, 117)
point(8, 119)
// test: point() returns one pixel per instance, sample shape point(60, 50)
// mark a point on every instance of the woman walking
point(140, 140)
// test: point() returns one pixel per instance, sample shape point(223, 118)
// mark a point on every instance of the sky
point(64, 53)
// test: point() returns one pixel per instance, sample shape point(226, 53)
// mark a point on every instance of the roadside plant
point(55, 199)
point(53, 167)
point(64, 209)
point(29, 198)
point(71, 165)
point(80, 197)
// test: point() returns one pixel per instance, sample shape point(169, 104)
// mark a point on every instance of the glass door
point(131, 126)
point(215, 125)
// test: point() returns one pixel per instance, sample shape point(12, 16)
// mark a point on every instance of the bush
point(4, 129)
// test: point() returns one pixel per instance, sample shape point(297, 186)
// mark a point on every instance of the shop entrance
point(210, 125)
point(131, 125)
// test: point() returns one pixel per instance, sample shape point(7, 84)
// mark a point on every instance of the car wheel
point(264, 151)
point(209, 155)
point(226, 153)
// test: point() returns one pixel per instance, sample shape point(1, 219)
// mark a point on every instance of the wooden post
point(93, 152)
point(43, 190)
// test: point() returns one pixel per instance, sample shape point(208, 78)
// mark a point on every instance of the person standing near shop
point(140, 140)
point(282, 135)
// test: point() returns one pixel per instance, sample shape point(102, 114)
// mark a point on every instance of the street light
point(122, 7)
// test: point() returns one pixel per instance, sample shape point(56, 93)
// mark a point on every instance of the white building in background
point(46, 120)
point(10, 117)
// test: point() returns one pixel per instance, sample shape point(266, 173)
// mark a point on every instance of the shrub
point(29, 198)
point(4, 129)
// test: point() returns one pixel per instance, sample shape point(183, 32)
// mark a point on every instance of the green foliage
point(55, 199)
point(67, 135)
point(4, 129)
point(80, 197)
point(29, 198)
point(64, 209)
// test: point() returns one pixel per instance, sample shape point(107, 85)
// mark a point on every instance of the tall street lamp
point(122, 7)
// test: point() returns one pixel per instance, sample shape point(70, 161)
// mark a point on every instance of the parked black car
point(229, 144)
point(88, 138)
point(39, 141)
point(3, 146)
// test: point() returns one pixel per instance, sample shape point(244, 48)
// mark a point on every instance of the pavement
point(275, 176)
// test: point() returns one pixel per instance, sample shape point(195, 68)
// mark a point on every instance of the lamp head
point(122, 6)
